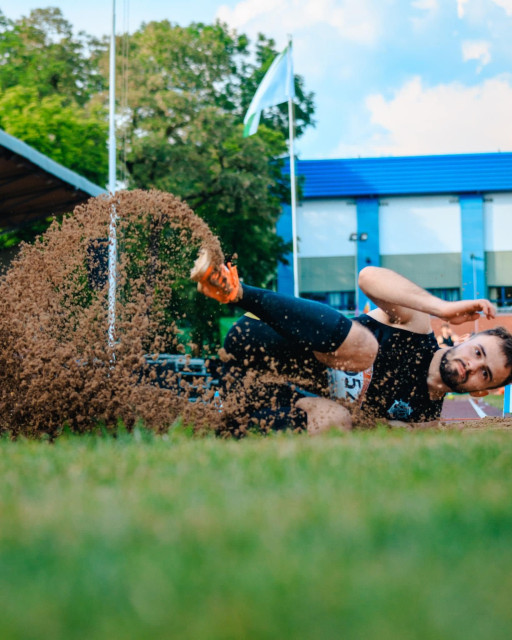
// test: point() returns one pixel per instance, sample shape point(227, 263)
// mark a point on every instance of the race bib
point(349, 385)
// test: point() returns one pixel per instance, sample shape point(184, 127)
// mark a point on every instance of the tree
point(180, 120)
point(188, 91)
point(49, 97)
point(73, 136)
point(48, 91)
point(40, 51)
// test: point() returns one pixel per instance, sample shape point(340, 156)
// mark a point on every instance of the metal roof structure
point(32, 186)
point(408, 175)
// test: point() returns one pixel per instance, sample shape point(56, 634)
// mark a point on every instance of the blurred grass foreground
point(377, 534)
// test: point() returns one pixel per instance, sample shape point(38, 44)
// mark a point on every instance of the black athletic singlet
point(398, 387)
point(395, 387)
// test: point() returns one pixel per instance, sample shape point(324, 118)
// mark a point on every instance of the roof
point(32, 186)
point(447, 174)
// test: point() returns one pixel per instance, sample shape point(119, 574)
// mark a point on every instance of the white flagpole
point(293, 196)
point(294, 202)
point(112, 240)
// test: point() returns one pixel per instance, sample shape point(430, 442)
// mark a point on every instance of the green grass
point(388, 535)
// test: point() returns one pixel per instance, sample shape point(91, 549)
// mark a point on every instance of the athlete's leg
point(263, 377)
point(304, 323)
point(253, 344)
point(336, 341)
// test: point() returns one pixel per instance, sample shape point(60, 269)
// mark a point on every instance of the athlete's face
point(474, 365)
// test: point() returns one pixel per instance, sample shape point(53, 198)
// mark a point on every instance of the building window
point(341, 300)
point(450, 294)
point(501, 296)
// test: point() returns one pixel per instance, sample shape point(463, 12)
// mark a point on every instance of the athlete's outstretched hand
point(466, 310)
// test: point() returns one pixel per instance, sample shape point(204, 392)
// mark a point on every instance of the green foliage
point(181, 107)
point(377, 535)
point(49, 83)
point(73, 136)
point(41, 52)
point(28, 233)
point(188, 89)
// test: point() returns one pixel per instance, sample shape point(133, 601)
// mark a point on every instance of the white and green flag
point(277, 86)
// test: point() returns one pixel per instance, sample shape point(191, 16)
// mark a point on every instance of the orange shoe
point(220, 283)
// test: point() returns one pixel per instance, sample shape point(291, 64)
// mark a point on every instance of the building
point(32, 186)
point(445, 222)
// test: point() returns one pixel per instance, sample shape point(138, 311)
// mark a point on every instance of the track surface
point(467, 409)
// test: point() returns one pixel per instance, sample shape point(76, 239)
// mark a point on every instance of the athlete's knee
point(357, 352)
point(237, 339)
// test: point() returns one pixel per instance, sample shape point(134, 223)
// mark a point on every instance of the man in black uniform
point(387, 361)
point(446, 337)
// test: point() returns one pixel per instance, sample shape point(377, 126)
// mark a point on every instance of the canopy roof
point(407, 175)
point(32, 186)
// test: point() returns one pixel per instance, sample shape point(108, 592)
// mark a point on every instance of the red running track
point(466, 409)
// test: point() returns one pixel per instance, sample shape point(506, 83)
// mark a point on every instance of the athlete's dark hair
point(506, 346)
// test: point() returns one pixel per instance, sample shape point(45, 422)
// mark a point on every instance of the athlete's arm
point(405, 303)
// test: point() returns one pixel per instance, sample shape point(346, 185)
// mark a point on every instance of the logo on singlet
point(399, 410)
point(349, 385)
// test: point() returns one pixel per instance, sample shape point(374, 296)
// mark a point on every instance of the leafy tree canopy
point(40, 51)
point(49, 97)
point(182, 95)
point(72, 136)
point(188, 89)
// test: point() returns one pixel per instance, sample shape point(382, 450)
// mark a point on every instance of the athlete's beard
point(450, 374)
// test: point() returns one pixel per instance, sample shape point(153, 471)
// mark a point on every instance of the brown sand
point(56, 367)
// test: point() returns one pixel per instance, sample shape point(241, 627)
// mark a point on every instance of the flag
point(277, 86)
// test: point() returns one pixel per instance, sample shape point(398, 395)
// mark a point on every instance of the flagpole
point(276, 88)
point(112, 240)
point(293, 196)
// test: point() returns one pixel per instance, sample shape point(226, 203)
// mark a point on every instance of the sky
point(390, 77)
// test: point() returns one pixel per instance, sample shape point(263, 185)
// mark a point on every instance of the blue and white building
point(445, 222)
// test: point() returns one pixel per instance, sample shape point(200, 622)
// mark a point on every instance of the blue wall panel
point(473, 255)
point(285, 271)
point(368, 251)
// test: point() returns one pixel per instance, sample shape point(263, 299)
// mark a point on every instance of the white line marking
point(478, 410)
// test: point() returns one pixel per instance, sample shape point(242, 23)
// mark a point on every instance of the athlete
point(446, 338)
point(387, 362)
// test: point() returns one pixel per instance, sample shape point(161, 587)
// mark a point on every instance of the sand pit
point(56, 367)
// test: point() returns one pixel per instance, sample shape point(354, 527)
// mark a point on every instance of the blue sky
point(391, 77)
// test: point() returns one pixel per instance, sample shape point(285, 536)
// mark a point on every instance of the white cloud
point(355, 20)
point(450, 118)
point(425, 5)
point(460, 7)
point(247, 10)
point(505, 4)
point(476, 50)
point(428, 9)
point(481, 7)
